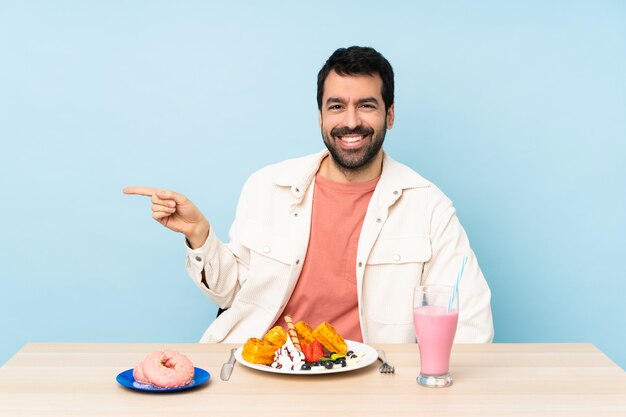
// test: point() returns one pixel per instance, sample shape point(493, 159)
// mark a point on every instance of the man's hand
point(176, 212)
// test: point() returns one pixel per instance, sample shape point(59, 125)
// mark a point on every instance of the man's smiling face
point(353, 119)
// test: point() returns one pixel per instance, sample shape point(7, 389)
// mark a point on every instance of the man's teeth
point(350, 139)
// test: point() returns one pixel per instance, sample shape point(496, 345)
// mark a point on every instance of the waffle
point(330, 339)
point(305, 333)
point(259, 351)
point(276, 336)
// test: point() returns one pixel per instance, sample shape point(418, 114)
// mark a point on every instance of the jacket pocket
point(392, 271)
point(264, 242)
point(398, 250)
point(269, 266)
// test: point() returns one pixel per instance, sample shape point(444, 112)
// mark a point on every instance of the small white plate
point(369, 357)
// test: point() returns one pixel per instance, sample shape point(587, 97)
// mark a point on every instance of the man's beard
point(357, 159)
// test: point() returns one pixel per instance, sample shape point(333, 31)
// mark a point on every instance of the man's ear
point(319, 118)
point(390, 116)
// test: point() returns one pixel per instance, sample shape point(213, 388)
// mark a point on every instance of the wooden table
point(72, 379)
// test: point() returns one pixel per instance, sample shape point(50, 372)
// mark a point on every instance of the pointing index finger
point(147, 191)
point(151, 191)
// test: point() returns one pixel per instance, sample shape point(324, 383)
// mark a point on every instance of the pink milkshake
point(435, 316)
point(435, 328)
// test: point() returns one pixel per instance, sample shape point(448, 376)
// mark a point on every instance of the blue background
point(517, 111)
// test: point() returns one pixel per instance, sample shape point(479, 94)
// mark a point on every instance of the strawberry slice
point(307, 350)
point(316, 351)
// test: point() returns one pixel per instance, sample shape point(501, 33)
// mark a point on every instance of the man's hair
point(357, 60)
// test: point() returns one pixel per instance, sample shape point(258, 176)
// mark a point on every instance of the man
point(341, 236)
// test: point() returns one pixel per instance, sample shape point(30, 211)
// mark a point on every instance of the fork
point(386, 367)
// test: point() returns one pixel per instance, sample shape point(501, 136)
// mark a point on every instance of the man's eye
point(335, 107)
point(368, 106)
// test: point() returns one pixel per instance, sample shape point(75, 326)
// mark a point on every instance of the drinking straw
point(456, 284)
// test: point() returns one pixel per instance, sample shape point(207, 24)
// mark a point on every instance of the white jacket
point(410, 236)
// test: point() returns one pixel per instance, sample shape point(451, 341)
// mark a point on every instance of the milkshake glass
point(435, 317)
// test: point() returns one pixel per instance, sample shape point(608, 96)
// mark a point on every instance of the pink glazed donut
point(165, 369)
point(138, 374)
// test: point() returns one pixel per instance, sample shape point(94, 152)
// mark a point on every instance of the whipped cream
point(288, 357)
point(355, 358)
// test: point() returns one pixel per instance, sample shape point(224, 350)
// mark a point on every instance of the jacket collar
point(299, 173)
point(399, 176)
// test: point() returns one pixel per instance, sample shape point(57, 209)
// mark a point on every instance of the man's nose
point(351, 118)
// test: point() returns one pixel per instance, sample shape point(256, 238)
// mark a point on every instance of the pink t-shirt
point(326, 289)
